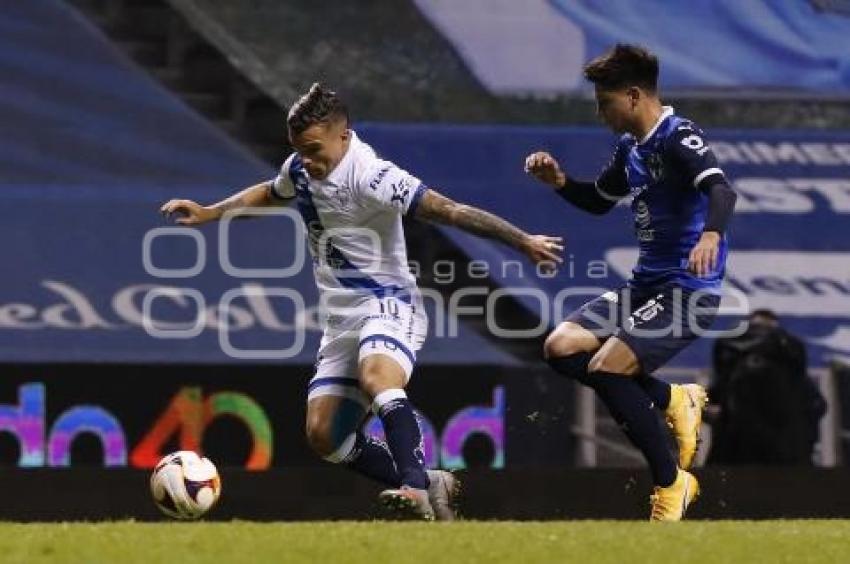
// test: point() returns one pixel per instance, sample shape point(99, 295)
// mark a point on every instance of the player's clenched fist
point(187, 212)
point(543, 166)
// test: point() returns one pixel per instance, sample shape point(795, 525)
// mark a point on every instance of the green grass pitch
point(494, 542)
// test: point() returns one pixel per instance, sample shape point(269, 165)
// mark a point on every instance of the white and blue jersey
point(666, 174)
point(369, 299)
point(353, 221)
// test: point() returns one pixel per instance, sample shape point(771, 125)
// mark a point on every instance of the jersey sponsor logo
point(643, 219)
point(695, 143)
point(379, 177)
point(645, 235)
point(642, 215)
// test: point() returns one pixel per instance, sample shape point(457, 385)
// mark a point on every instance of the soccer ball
point(184, 485)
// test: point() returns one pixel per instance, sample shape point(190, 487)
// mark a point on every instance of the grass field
point(398, 543)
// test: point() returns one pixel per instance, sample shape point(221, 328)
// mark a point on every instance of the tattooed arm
point(436, 208)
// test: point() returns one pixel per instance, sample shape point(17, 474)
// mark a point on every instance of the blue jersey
point(666, 173)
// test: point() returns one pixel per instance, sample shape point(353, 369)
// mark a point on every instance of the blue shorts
point(656, 322)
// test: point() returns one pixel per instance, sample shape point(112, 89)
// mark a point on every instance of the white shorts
point(390, 326)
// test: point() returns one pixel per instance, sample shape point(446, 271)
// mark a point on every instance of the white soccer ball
point(184, 485)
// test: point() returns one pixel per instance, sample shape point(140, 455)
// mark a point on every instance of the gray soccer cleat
point(443, 493)
point(408, 502)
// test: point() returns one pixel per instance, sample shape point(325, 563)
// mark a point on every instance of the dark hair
point(318, 105)
point(765, 313)
point(622, 67)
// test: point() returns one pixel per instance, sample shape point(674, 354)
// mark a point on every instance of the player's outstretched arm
point(188, 212)
point(595, 197)
point(437, 208)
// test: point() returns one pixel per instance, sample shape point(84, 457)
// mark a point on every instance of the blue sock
point(404, 437)
point(370, 457)
point(657, 390)
point(632, 409)
point(572, 366)
point(575, 366)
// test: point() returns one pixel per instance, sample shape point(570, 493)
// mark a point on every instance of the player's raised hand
point(543, 248)
point(187, 212)
point(543, 166)
point(703, 258)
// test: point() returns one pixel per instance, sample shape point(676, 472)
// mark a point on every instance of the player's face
point(615, 108)
point(321, 147)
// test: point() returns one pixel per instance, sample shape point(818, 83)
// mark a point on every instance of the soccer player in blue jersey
point(681, 203)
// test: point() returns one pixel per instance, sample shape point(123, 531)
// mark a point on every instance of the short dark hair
point(318, 105)
point(622, 67)
point(765, 313)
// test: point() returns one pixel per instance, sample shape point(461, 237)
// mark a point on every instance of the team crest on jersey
point(343, 196)
point(655, 166)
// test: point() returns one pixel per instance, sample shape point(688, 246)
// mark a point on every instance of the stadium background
point(110, 107)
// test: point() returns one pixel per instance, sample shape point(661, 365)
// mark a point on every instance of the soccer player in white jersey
point(352, 202)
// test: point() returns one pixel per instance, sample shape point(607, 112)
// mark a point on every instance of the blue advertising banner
point(90, 147)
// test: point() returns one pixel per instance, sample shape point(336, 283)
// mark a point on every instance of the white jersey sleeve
point(282, 185)
point(383, 184)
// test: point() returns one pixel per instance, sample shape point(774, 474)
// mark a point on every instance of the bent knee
point(569, 339)
point(599, 363)
point(320, 436)
point(614, 358)
point(380, 372)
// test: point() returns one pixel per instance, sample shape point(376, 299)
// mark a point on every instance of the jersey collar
point(666, 111)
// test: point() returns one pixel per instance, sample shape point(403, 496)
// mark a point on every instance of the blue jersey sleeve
point(612, 183)
point(692, 157)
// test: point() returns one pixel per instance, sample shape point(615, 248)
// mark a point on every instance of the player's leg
point(387, 354)
point(569, 348)
point(383, 379)
point(337, 408)
point(675, 317)
point(334, 432)
point(662, 323)
point(576, 349)
point(336, 412)
point(611, 371)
